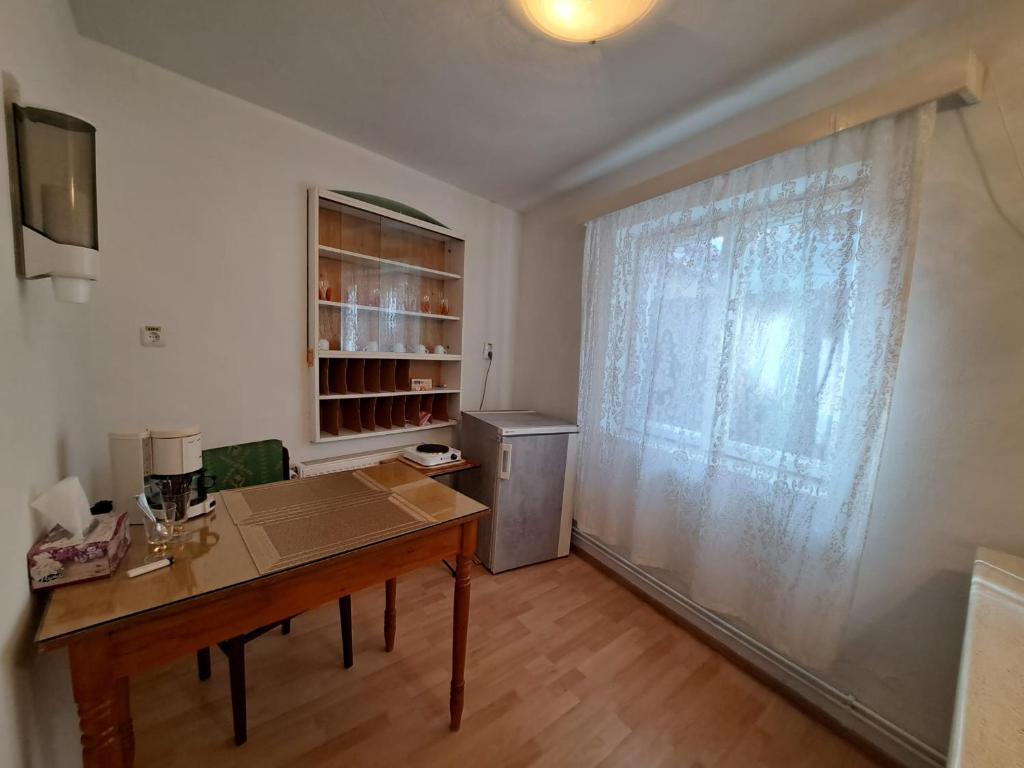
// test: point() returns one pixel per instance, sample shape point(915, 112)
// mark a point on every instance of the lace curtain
point(740, 342)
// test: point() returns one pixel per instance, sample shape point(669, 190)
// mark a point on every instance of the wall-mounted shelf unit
point(383, 287)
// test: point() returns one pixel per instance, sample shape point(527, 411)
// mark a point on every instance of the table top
point(217, 558)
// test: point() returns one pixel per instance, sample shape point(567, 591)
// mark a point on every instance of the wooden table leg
point(124, 716)
point(390, 613)
point(102, 701)
point(460, 623)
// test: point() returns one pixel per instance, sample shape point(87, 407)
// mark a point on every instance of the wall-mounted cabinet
point(385, 313)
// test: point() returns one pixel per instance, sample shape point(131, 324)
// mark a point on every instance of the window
point(788, 345)
point(739, 349)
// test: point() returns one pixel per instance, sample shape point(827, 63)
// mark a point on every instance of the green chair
point(240, 466)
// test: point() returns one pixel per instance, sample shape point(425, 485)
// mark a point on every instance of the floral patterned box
point(57, 559)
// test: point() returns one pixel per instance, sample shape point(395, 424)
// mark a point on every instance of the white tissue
point(65, 504)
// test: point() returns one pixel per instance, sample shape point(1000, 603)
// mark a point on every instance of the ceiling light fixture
point(585, 21)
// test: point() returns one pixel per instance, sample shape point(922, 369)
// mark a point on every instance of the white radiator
point(315, 467)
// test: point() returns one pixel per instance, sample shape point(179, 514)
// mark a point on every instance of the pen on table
point(149, 567)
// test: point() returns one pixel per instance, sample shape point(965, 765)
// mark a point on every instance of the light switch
point(152, 335)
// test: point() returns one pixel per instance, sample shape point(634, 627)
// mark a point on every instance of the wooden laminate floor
point(566, 668)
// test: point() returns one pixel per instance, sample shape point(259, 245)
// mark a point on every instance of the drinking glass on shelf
point(353, 294)
point(375, 297)
point(425, 304)
point(443, 307)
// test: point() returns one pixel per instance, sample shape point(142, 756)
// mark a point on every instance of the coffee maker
point(177, 464)
point(164, 464)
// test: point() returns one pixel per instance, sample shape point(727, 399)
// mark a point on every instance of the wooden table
point(118, 627)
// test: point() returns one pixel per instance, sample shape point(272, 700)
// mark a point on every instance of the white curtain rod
point(960, 78)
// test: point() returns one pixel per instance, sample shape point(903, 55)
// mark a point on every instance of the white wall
point(952, 471)
point(202, 211)
point(951, 475)
point(45, 394)
point(203, 230)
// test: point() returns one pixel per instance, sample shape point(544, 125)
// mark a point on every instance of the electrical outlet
point(152, 335)
point(488, 350)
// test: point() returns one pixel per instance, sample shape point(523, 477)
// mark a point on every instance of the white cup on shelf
point(398, 347)
point(371, 346)
point(440, 350)
point(420, 349)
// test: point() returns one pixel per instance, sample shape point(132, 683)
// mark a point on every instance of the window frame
point(806, 473)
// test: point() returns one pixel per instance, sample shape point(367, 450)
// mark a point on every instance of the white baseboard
point(843, 708)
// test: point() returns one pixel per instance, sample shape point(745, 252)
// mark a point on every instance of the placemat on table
point(295, 522)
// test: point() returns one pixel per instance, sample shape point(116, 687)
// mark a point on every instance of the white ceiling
point(466, 90)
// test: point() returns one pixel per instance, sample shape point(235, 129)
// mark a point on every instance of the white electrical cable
point(487, 373)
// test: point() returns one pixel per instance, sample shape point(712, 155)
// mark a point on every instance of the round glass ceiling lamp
point(585, 21)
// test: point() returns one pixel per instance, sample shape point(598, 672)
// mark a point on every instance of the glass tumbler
point(161, 531)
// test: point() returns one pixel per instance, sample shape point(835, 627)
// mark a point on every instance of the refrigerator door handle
point(505, 467)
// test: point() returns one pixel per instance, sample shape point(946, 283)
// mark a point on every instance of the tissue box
point(56, 559)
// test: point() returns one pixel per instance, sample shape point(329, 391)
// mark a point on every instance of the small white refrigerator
point(526, 476)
